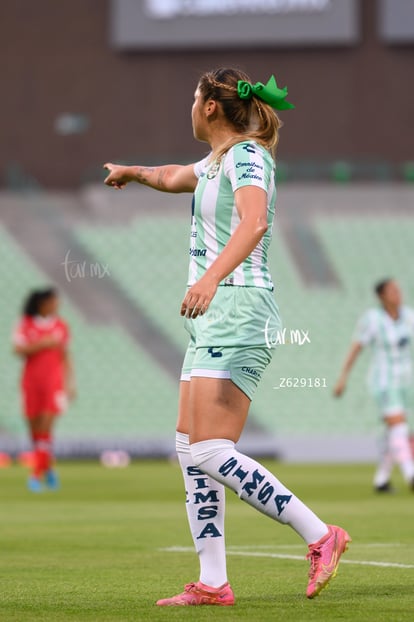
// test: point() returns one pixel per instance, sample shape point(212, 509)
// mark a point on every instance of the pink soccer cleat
point(200, 594)
point(324, 557)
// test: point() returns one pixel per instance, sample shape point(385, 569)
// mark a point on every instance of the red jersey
point(47, 365)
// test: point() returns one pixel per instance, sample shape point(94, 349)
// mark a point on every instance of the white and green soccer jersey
point(215, 217)
point(390, 342)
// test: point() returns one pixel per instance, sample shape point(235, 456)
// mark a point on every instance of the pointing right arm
point(169, 178)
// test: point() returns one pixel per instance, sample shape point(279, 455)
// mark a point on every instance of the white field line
point(186, 549)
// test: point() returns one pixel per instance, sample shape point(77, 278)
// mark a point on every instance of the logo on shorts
point(214, 354)
point(251, 372)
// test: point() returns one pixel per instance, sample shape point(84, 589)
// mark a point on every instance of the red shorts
point(39, 399)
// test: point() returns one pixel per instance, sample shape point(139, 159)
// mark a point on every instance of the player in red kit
point(41, 339)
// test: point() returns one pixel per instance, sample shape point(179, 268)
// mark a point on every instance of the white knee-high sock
point(399, 444)
point(257, 486)
point(385, 464)
point(205, 505)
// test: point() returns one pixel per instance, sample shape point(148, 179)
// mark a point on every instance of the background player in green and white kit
point(389, 330)
point(227, 307)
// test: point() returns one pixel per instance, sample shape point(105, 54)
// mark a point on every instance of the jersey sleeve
point(246, 164)
point(365, 329)
point(19, 334)
point(199, 167)
point(409, 314)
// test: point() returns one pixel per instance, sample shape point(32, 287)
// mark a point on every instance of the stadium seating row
point(123, 392)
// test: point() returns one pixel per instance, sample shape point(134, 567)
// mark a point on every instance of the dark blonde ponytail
point(252, 119)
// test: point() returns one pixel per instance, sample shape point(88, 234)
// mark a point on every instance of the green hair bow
point(269, 93)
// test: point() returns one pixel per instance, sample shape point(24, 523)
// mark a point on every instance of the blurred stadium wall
point(77, 90)
point(77, 95)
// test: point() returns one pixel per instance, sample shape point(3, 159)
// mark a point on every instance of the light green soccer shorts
point(393, 401)
point(235, 339)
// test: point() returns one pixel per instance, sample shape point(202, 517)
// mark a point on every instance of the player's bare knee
point(396, 419)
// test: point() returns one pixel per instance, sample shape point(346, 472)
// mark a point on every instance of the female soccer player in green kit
point(228, 307)
point(388, 330)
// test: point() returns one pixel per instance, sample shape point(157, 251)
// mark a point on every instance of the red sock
point(42, 453)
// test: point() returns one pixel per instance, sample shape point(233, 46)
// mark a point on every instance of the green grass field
point(102, 548)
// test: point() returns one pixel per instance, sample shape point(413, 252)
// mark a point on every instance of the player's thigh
point(183, 421)
point(43, 423)
point(48, 421)
point(183, 408)
point(395, 419)
point(32, 424)
point(217, 409)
